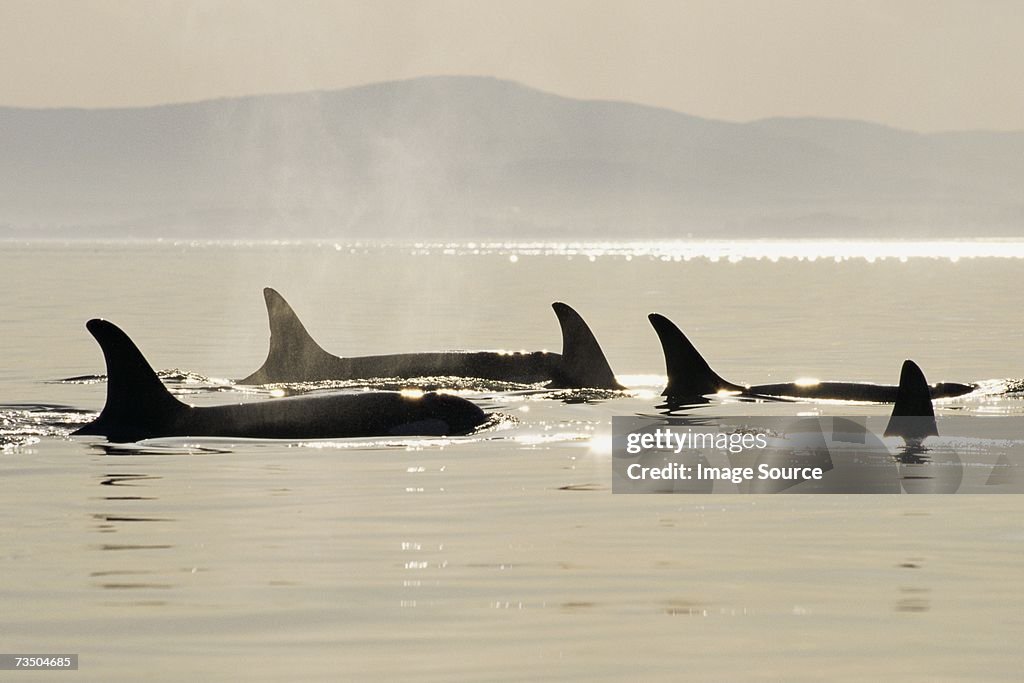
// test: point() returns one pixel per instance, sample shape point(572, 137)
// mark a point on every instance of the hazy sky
point(922, 65)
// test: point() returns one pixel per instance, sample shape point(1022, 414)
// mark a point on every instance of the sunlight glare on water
point(737, 250)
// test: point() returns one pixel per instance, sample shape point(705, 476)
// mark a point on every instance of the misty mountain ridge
point(473, 157)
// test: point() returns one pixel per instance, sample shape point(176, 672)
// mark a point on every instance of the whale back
point(294, 356)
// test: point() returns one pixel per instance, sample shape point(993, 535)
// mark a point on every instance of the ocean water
point(503, 555)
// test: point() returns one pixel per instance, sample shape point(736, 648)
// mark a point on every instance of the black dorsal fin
point(583, 362)
point(293, 352)
point(689, 375)
point(138, 404)
point(912, 417)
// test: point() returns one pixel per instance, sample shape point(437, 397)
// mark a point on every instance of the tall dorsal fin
point(583, 362)
point(689, 375)
point(912, 417)
point(138, 404)
point(292, 350)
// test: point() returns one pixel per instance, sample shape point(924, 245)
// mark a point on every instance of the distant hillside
point(467, 157)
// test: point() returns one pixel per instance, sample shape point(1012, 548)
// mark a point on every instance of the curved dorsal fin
point(583, 362)
point(689, 375)
point(292, 350)
point(912, 417)
point(138, 404)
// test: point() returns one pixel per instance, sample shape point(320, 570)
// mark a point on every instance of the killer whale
point(138, 406)
point(690, 376)
point(294, 356)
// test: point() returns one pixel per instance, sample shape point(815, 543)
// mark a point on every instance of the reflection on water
point(913, 599)
point(129, 479)
point(913, 604)
point(133, 572)
point(932, 470)
point(135, 546)
point(113, 518)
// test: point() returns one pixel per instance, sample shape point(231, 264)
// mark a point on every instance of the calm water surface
point(502, 556)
